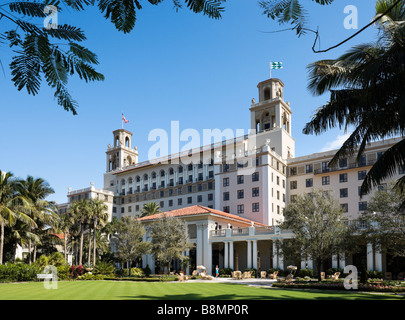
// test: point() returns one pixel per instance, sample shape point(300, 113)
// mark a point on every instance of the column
point(378, 261)
point(254, 254)
point(370, 256)
point(249, 253)
point(231, 255)
point(207, 247)
point(281, 260)
point(199, 248)
point(275, 255)
point(334, 261)
point(342, 260)
point(144, 256)
point(188, 264)
point(226, 253)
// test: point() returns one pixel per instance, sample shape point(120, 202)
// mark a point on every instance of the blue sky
point(174, 66)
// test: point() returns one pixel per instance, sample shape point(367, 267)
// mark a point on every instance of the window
point(278, 195)
point(225, 168)
point(211, 174)
point(343, 163)
point(190, 167)
point(180, 169)
point(170, 203)
point(293, 197)
point(179, 201)
point(225, 182)
point(325, 167)
point(210, 185)
point(344, 193)
point(226, 196)
point(162, 204)
point(362, 174)
point(278, 180)
point(200, 177)
point(240, 179)
point(343, 177)
point(171, 171)
point(241, 208)
point(308, 168)
point(362, 205)
point(199, 198)
point(255, 192)
point(255, 207)
point(293, 185)
point(122, 210)
point(345, 207)
point(199, 187)
point(362, 161)
point(226, 209)
point(210, 196)
point(325, 180)
point(309, 183)
point(189, 200)
point(293, 171)
point(180, 180)
point(189, 189)
point(241, 194)
point(255, 176)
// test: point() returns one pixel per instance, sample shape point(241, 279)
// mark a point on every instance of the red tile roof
point(199, 210)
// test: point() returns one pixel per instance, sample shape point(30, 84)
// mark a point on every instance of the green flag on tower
point(276, 65)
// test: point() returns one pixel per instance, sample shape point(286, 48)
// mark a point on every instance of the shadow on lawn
point(274, 294)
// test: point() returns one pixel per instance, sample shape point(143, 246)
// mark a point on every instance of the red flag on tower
point(123, 119)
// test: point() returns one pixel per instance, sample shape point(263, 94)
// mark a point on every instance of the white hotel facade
point(232, 194)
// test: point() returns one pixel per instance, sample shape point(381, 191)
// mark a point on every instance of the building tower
point(121, 154)
point(271, 117)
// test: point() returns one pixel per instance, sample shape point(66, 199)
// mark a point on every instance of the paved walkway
point(252, 281)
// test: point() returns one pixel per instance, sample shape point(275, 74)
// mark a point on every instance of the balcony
point(350, 166)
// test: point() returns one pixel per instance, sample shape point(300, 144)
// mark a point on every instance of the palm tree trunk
point(89, 257)
point(35, 254)
point(29, 252)
point(94, 242)
point(81, 245)
point(1, 242)
point(64, 245)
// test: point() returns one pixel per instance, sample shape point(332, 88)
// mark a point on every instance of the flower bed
point(375, 285)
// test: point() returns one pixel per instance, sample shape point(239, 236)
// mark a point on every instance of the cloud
point(337, 143)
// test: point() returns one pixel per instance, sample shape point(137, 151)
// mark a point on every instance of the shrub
point(147, 271)
point(225, 272)
point(302, 273)
point(19, 272)
point(63, 272)
point(89, 276)
point(104, 267)
point(375, 274)
point(135, 272)
point(76, 271)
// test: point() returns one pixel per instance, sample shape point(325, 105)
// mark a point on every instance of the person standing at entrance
point(216, 272)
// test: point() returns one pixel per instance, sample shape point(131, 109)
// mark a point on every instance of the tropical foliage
point(366, 93)
point(54, 54)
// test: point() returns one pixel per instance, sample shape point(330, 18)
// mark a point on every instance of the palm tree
point(80, 212)
point(366, 87)
point(65, 223)
point(10, 206)
point(99, 219)
point(36, 190)
point(149, 209)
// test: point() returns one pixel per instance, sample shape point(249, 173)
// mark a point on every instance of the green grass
point(122, 290)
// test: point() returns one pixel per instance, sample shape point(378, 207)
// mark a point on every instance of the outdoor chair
point(336, 276)
point(180, 277)
point(195, 273)
point(274, 275)
point(322, 275)
point(263, 274)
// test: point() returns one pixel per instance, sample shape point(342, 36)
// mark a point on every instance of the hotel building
point(231, 194)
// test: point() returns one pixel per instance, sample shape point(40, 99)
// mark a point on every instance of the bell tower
point(121, 154)
point(271, 117)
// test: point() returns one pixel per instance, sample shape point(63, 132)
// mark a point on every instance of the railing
point(264, 230)
point(218, 233)
point(349, 166)
point(240, 231)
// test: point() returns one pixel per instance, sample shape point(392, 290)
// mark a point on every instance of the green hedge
point(19, 272)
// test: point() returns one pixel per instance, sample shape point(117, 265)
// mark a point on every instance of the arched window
point(171, 171)
point(138, 178)
point(145, 177)
point(180, 169)
point(153, 175)
point(127, 142)
point(116, 141)
point(266, 94)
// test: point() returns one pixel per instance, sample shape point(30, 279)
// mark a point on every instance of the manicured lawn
point(122, 290)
